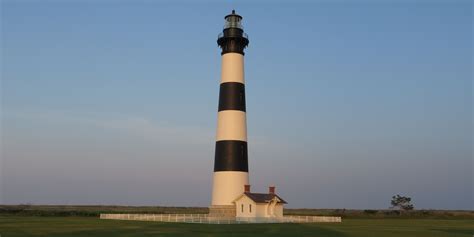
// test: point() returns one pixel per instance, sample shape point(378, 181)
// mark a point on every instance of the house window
point(242, 207)
point(250, 207)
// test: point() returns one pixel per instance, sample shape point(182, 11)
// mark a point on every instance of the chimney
point(247, 188)
point(271, 190)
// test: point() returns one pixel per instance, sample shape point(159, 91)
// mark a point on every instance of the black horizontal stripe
point(231, 155)
point(232, 96)
point(233, 40)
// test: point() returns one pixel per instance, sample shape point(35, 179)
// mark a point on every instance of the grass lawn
point(93, 226)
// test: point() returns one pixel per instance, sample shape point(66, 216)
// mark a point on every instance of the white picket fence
point(206, 219)
point(302, 219)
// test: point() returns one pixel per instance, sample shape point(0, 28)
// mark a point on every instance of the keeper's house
point(259, 204)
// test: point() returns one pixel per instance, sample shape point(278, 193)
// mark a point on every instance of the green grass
point(13, 225)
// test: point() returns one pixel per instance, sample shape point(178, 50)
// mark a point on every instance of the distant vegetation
point(66, 210)
point(401, 203)
point(94, 211)
point(370, 213)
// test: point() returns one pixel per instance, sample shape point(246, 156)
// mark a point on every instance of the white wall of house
point(262, 210)
point(273, 209)
point(245, 207)
point(279, 210)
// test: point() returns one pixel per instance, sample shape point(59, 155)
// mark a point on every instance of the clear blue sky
point(348, 102)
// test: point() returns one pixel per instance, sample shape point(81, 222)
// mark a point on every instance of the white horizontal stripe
point(232, 68)
point(227, 186)
point(231, 125)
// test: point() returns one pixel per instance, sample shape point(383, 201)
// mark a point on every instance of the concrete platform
point(222, 211)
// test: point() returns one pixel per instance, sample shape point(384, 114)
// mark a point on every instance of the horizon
point(150, 206)
point(348, 103)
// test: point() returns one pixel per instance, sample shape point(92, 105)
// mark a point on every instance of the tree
point(402, 203)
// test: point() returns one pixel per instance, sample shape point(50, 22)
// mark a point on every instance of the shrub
point(370, 212)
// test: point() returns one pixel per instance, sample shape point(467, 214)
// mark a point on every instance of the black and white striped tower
point(231, 163)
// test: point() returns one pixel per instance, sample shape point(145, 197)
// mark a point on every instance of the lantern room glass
point(233, 21)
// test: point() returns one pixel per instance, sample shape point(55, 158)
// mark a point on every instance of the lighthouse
point(231, 159)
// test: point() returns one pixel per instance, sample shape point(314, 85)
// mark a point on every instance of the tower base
point(222, 211)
